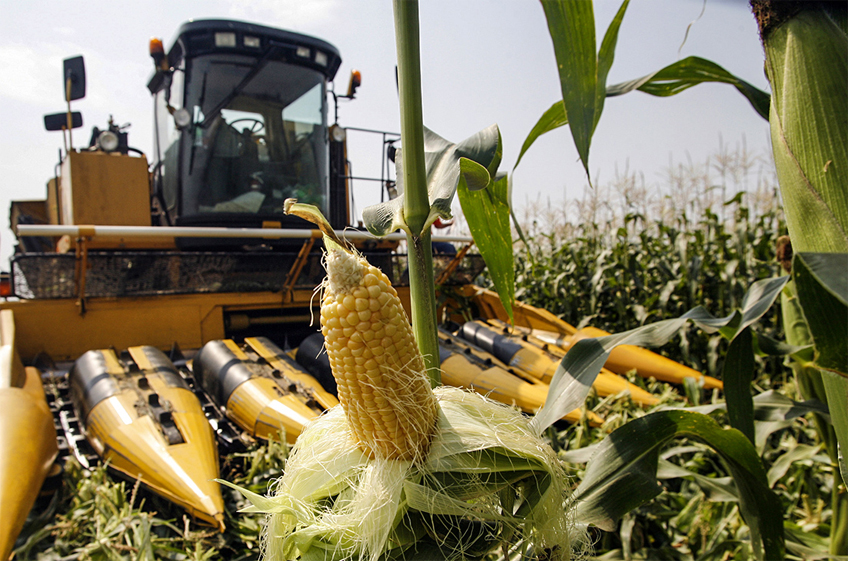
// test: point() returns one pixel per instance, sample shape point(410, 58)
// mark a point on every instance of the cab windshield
point(267, 143)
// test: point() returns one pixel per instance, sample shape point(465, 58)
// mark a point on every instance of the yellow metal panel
point(100, 188)
point(525, 315)
point(53, 209)
point(235, 349)
point(27, 440)
point(11, 368)
point(260, 407)
point(66, 244)
point(134, 445)
point(190, 320)
point(322, 396)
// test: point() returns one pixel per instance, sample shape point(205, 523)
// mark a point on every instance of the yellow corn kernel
point(379, 370)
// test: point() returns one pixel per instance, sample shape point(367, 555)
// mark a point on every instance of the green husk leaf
point(334, 502)
point(807, 65)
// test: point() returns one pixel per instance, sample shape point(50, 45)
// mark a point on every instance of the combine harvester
point(166, 306)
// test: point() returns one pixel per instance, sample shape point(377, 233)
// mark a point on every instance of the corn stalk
point(806, 49)
point(416, 205)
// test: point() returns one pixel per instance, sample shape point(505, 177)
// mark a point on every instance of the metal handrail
point(94, 231)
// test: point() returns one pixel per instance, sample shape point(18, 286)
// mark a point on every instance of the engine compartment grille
point(147, 273)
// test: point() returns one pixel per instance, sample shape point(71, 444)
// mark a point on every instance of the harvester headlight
point(320, 58)
point(337, 133)
point(302, 52)
point(107, 141)
point(182, 118)
point(252, 42)
point(225, 39)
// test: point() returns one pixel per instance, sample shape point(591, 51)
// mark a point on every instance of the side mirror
point(74, 78)
point(59, 121)
point(355, 82)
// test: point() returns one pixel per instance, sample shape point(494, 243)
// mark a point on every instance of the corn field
point(628, 254)
point(624, 272)
point(751, 473)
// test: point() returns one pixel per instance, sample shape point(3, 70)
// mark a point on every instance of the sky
point(482, 62)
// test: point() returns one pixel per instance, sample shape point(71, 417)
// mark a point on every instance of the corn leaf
point(624, 456)
point(582, 73)
point(772, 406)
point(551, 119)
point(719, 489)
point(822, 289)
point(837, 399)
point(799, 453)
point(737, 372)
point(476, 159)
point(622, 473)
point(606, 55)
point(487, 213)
point(572, 29)
point(822, 285)
point(671, 80)
point(584, 360)
point(688, 72)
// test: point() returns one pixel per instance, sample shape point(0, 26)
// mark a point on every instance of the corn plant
point(806, 46)
point(616, 278)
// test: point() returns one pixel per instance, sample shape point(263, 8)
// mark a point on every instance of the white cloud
point(297, 15)
point(37, 72)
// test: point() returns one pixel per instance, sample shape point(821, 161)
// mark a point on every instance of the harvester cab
point(241, 125)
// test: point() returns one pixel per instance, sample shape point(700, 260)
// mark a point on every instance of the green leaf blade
point(606, 56)
point(624, 455)
point(487, 213)
point(551, 119)
point(668, 81)
point(572, 29)
point(822, 284)
point(737, 373)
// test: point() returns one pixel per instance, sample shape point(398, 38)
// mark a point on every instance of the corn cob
point(378, 368)
point(336, 502)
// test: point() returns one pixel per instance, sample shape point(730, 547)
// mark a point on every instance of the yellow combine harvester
point(159, 313)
